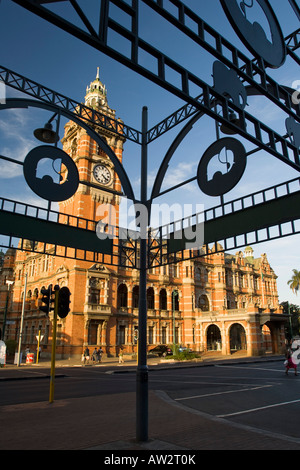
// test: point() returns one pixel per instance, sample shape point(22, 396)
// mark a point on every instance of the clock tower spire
point(94, 166)
point(96, 94)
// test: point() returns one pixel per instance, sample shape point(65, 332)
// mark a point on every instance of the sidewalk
point(107, 422)
point(206, 359)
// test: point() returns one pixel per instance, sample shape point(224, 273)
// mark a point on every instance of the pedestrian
point(100, 352)
point(86, 356)
point(95, 356)
point(121, 360)
point(289, 363)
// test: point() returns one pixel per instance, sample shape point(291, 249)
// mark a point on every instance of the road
point(260, 396)
point(256, 395)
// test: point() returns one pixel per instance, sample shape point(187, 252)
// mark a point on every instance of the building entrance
point(214, 339)
point(238, 340)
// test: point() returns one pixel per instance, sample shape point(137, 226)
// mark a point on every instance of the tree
point(294, 283)
point(292, 326)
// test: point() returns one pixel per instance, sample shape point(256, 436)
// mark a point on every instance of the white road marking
point(203, 383)
point(222, 393)
point(258, 409)
point(254, 368)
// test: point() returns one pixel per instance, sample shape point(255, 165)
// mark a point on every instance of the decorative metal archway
point(214, 101)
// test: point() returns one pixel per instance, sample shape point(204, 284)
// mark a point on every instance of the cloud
point(16, 142)
point(180, 173)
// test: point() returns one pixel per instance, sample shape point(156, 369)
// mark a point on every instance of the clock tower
point(94, 166)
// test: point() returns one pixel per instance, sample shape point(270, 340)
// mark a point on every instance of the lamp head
point(235, 120)
point(46, 134)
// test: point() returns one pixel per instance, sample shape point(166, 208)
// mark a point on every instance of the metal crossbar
point(261, 216)
point(42, 230)
point(90, 115)
point(250, 128)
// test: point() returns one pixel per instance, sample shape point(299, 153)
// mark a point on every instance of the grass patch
point(185, 355)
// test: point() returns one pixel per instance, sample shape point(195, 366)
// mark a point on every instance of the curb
point(178, 365)
point(157, 367)
point(48, 376)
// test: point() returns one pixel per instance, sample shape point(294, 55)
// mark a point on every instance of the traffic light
point(47, 300)
point(63, 302)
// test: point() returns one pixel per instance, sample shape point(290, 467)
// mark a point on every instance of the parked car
point(184, 348)
point(161, 350)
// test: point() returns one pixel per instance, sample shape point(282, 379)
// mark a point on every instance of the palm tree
point(294, 283)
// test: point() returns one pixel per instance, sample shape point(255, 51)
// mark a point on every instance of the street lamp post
point(142, 368)
point(9, 283)
point(290, 320)
point(22, 322)
point(174, 294)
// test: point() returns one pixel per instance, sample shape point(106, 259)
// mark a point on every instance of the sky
point(42, 52)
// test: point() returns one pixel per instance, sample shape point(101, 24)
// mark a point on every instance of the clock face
point(102, 174)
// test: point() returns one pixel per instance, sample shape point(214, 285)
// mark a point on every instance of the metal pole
point(290, 320)
point(9, 283)
point(22, 321)
point(142, 368)
point(173, 308)
point(38, 347)
point(5, 314)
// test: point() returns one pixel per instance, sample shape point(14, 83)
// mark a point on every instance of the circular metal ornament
point(42, 172)
point(221, 166)
point(253, 35)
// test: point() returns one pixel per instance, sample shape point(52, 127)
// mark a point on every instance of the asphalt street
point(259, 396)
point(255, 396)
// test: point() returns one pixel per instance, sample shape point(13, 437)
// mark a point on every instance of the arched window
point(36, 296)
point(163, 299)
point(267, 338)
point(197, 273)
point(122, 296)
point(203, 303)
point(135, 297)
point(175, 301)
point(150, 298)
point(41, 290)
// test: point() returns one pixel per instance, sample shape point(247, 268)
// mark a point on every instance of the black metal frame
point(218, 239)
point(208, 101)
point(207, 94)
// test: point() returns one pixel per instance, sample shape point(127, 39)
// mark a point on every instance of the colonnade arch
point(229, 340)
point(213, 338)
point(231, 337)
point(237, 338)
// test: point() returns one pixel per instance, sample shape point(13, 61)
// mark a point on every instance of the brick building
point(219, 302)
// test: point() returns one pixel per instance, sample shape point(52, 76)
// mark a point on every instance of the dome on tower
point(96, 93)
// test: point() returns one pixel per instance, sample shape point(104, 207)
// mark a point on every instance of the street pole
point(5, 314)
point(173, 307)
point(53, 353)
point(22, 320)
point(142, 368)
point(9, 283)
point(290, 321)
point(38, 347)
point(174, 294)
